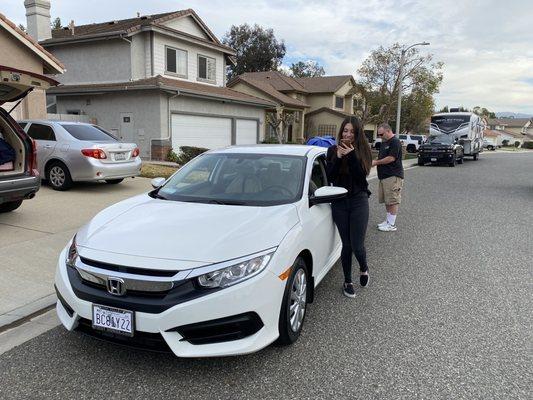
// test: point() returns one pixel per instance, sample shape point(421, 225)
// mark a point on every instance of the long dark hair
point(361, 146)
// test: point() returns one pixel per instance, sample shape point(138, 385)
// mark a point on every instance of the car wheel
point(475, 157)
point(454, 162)
point(10, 206)
point(420, 162)
point(58, 176)
point(113, 181)
point(411, 148)
point(294, 305)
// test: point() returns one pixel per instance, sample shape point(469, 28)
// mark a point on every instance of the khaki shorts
point(390, 190)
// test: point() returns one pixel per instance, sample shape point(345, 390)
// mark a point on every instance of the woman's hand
point(343, 150)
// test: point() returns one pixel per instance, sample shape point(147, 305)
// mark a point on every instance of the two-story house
point(157, 80)
point(318, 104)
point(514, 129)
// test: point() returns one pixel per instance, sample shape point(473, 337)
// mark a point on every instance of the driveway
point(32, 236)
point(447, 314)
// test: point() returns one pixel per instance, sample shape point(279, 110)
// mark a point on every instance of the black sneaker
point(363, 280)
point(348, 290)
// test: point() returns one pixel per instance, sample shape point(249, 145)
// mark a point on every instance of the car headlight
point(72, 254)
point(234, 274)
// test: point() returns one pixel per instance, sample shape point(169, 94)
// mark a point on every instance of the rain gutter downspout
point(168, 137)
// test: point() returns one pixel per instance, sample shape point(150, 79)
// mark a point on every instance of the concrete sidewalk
point(32, 237)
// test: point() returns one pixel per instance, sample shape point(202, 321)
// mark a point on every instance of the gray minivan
point(19, 176)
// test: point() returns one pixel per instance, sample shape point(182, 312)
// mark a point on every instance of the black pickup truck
point(441, 149)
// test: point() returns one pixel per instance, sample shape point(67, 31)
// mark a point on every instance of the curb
point(14, 317)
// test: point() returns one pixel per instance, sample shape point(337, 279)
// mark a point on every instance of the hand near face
point(343, 150)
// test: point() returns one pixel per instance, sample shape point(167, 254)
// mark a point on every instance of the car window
point(23, 124)
point(41, 132)
point(88, 132)
point(318, 175)
point(403, 137)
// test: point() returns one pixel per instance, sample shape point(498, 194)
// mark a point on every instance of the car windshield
point(237, 179)
point(91, 133)
point(441, 139)
point(416, 137)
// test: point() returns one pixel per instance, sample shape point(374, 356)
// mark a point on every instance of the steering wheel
point(280, 189)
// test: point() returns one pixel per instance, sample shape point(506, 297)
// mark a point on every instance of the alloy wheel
point(57, 176)
point(298, 300)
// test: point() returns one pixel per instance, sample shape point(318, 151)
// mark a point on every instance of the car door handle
point(48, 146)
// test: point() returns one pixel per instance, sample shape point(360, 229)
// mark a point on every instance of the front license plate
point(120, 156)
point(113, 320)
point(433, 159)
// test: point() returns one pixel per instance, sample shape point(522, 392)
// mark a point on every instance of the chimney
point(71, 27)
point(38, 19)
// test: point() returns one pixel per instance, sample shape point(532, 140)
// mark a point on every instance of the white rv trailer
point(466, 127)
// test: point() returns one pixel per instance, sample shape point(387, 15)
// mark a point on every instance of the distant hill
point(512, 115)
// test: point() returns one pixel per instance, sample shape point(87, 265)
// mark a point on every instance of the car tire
point(420, 162)
point(475, 157)
point(289, 331)
point(114, 181)
point(454, 162)
point(10, 206)
point(411, 148)
point(58, 176)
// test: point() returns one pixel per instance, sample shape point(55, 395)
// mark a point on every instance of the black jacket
point(346, 172)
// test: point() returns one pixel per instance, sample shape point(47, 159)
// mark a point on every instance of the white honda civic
point(220, 259)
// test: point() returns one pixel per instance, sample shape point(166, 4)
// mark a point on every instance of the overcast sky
point(486, 45)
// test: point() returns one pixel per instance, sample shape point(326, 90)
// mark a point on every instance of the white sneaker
point(383, 223)
point(387, 228)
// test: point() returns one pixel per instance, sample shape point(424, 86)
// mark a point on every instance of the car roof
point(277, 149)
point(52, 121)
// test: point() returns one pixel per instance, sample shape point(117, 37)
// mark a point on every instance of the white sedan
point(220, 259)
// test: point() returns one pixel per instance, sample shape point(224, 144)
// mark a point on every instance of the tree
point(379, 76)
point(306, 69)
point(280, 121)
point(257, 49)
point(56, 24)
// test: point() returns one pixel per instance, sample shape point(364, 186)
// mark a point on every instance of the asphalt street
point(447, 314)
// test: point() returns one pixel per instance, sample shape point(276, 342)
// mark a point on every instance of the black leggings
point(351, 217)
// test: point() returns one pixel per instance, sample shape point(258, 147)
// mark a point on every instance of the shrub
point(517, 144)
point(527, 145)
point(505, 143)
point(187, 153)
point(171, 156)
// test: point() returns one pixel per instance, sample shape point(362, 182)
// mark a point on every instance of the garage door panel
point(200, 131)
point(246, 131)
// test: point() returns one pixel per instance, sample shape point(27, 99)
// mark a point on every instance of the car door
point(45, 139)
point(317, 220)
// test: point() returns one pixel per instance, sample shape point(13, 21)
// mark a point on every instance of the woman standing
point(348, 165)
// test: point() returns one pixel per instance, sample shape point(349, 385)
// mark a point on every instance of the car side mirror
point(157, 182)
point(326, 194)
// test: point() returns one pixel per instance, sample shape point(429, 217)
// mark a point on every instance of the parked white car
point(220, 259)
point(411, 142)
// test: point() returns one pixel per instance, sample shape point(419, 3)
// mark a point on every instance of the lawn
point(157, 171)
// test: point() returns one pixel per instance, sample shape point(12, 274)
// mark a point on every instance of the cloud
point(485, 44)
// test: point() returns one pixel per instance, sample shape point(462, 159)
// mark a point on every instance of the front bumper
point(427, 157)
point(259, 296)
point(94, 170)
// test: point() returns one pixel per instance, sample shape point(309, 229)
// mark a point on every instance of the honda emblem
point(116, 286)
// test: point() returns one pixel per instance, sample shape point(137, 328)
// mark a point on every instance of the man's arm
point(384, 161)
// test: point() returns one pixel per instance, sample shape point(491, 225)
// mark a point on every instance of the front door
point(319, 220)
point(126, 128)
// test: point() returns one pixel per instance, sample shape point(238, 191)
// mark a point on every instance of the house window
point(339, 102)
point(206, 69)
point(327, 130)
point(176, 62)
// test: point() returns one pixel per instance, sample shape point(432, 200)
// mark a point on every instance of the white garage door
point(199, 131)
point(246, 132)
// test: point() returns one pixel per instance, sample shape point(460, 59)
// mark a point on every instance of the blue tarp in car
point(322, 141)
point(7, 153)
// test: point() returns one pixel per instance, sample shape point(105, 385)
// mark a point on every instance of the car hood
point(143, 228)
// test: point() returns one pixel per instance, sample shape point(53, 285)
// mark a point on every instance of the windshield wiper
point(226, 203)
point(155, 194)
